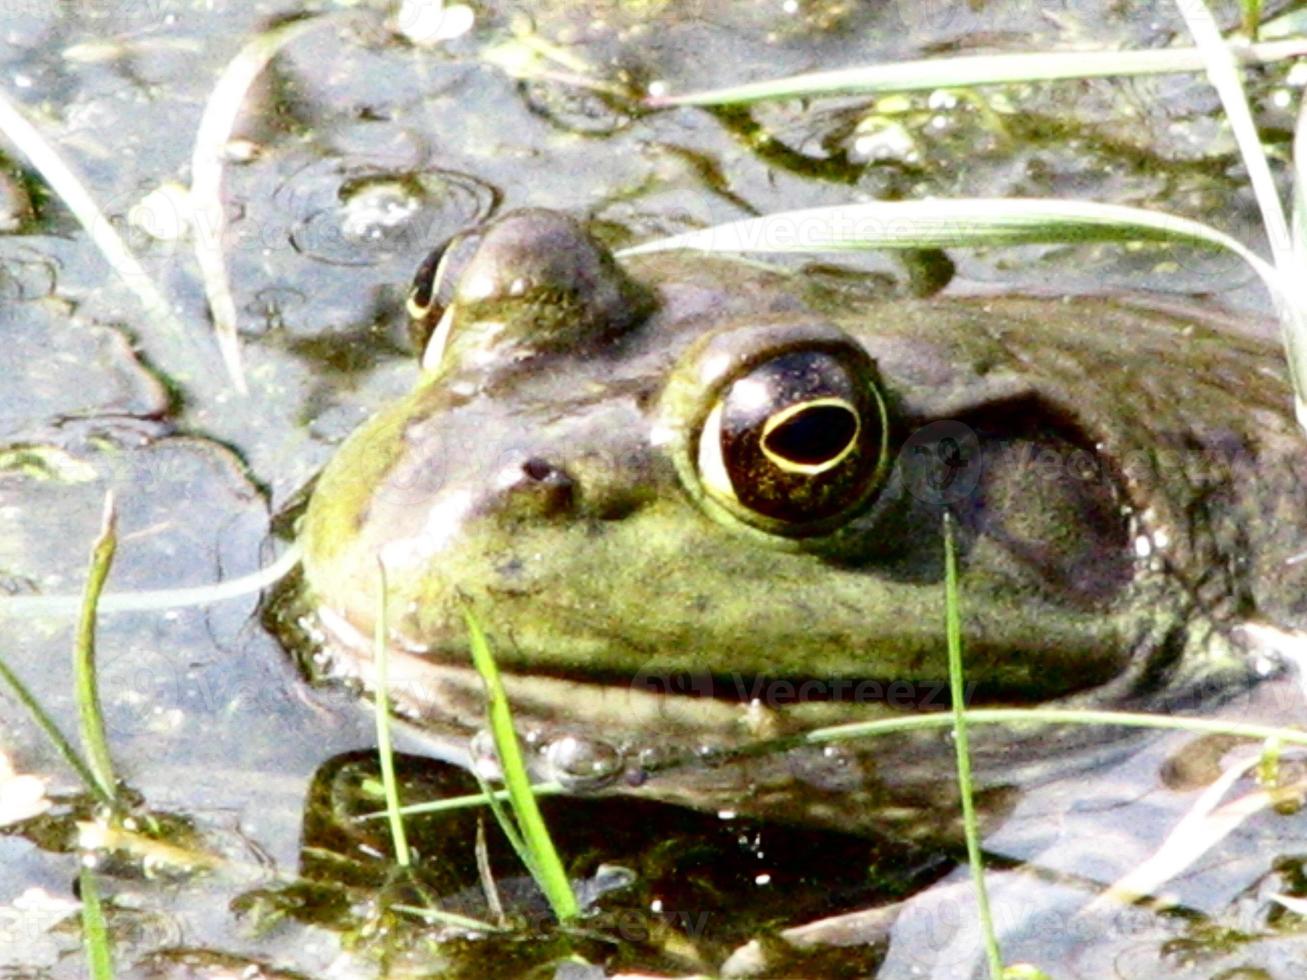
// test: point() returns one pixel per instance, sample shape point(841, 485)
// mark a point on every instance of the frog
point(700, 505)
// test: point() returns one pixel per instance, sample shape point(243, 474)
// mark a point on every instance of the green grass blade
point(1298, 238)
point(89, 714)
point(1024, 971)
point(960, 222)
point(1251, 17)
point(997, 69)
point(61, 744)
point(381, 707)
point(495, 800)
point(1299, 220)
point(954, 222)
point(464, 802)
point(546, 866)
point(1222, 71)
point(1291, 295)
point(95, 933)
point(441, 917)
point(1044, 716)
point(961, 741)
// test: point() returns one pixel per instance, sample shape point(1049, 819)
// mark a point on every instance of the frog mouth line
point(428, 683)
point(668, 721)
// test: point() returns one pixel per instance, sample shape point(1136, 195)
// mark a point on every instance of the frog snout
point(544, 486)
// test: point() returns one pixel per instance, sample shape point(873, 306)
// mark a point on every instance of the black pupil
point(424, 280)
point(814, 435)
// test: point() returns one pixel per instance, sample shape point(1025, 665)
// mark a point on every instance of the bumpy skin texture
point(1127, 485)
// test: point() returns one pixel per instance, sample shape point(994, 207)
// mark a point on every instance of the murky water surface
point(356, 152)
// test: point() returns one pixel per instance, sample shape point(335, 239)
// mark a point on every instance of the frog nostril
point(541, 488)
point(540, 470)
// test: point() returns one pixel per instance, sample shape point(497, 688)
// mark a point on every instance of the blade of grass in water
point(1252, 17)
point(156, 599)
point(90, 717)
point(444, 918)
point(208, 218)
point(462, 802)
point(970, 829)
point(381, 705)
point(1291, 23)
point(958, 222)
point(1047, 716)
point(1298, 227)
point(1205, 824)
point(952, 222)
point(1291, 295)
point(481, 849)
point(61, 744)
point(496, 800)
point(995, 69)
point(95, 934)
point(487, 797)
point(545, 864)
point(74, 195)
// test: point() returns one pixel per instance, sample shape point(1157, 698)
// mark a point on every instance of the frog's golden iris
point(796, 441)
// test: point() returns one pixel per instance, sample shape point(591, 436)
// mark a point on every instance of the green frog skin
point(698, 502)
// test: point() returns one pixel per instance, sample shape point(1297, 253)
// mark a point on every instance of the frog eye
point(423, 290)
point(433, 290)
point(796, 442)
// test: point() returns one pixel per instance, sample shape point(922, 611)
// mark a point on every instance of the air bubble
point(583, 765)
point(483, 754)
